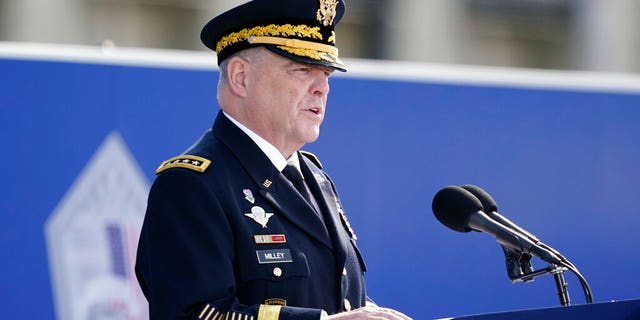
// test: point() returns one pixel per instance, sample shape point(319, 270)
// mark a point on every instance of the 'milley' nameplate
point(274, 256)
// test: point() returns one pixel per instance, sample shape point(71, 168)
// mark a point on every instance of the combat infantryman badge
point(259, 215)
point(248, 195)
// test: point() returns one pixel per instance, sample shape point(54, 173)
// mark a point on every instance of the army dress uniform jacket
point(233, 239)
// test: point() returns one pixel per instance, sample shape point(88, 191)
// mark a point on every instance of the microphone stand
point(561, 285)
point(526, 274)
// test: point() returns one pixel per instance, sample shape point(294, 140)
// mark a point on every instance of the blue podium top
point(622, 310)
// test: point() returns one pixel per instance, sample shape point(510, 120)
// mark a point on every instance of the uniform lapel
point(296, 210)
point(328, 203)
point(274, 186)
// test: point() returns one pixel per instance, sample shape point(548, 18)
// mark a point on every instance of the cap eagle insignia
point(327, 11)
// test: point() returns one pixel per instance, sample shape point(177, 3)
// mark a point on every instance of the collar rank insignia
point(259, 215)
point(194, 163)
point(319, 178)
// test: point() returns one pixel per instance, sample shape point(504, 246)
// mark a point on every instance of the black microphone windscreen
point(488, 203)
point(453, 206)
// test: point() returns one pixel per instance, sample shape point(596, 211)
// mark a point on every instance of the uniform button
point(277, 271)
point(344, 271)
point(347, 305)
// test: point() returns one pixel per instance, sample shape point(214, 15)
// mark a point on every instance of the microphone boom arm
point(561, 285)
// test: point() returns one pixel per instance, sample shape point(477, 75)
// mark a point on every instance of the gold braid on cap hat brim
point(294, 43)
point(274, 34)
point(274, 30)
point(313, 50)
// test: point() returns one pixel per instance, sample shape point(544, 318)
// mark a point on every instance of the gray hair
point(251, 55)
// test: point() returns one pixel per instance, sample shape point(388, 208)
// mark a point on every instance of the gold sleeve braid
point(269, 312)
point(208, 314)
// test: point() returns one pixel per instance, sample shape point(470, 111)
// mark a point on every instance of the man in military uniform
point(243, 225)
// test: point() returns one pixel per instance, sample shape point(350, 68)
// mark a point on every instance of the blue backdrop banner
point(81, 139)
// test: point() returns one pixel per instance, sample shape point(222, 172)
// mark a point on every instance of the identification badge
point(274, 256)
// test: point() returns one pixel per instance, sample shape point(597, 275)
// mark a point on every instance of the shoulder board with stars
point(312, 157)
point(186, 161)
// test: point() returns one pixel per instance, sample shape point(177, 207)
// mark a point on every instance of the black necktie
point(293, 174)
point(296, 178)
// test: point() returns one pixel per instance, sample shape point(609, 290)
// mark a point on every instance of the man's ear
point(237, 69)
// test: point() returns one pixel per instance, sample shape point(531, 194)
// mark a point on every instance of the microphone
point(517, 264)
point(491, 209)
point(461, 211)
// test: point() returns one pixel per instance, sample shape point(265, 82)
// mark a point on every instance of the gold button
point(347, 305)
point(277, 271)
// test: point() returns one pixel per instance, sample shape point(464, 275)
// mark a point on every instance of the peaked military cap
point(301, 30)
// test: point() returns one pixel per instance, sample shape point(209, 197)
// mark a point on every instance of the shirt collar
point(269, 150)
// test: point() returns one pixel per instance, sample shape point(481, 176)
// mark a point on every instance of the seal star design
point(259, 215)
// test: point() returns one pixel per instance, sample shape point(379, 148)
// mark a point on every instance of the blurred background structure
point(591, 35)
point(559, 150)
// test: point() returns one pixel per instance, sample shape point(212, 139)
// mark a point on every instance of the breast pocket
point(277, 276)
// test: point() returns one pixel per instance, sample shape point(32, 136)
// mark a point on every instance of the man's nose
point(321, 83)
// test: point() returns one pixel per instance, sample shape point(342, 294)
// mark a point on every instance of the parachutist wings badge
point(259, 215)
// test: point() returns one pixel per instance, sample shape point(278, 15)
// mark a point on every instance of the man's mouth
point(315, 110)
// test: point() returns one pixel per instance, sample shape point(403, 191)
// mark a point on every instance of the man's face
point(286, 100)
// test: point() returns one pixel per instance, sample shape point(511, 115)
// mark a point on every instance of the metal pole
point(561, 285)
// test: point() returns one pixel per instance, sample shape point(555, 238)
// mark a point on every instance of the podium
point(615, 310)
